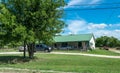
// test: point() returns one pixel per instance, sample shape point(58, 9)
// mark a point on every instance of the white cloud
point(117, 30)
point(106, 32)
point(78, 2)
point(102, 29)
point(76, 25)
point(117, 24)
point(97, 26)
point(74, 2)
point(94, 1)
point(114, 26)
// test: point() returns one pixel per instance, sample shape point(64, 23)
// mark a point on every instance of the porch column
point(77, 45)
point(58, 45)
point(84, 46)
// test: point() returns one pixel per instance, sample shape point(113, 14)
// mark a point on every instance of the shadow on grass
point(13, 59)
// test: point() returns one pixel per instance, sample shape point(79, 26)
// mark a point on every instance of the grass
point(96, 51)
point(103, 52)
point(66, 63)
point(9, 50)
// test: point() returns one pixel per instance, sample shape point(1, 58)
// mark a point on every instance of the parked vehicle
point(38, 47)
point(43, 47)
point(21, 48)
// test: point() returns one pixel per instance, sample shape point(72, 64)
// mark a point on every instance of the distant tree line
point(107, 41)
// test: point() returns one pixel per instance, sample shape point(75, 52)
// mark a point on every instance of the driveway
point(11, 52)
point(93, 55)
point(63, 53)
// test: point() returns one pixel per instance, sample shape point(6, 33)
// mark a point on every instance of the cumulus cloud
point(101, 29)
point(74, 2)
point(78, 2)
point(117, 30)
point(112, 25)
point(94, 1)
point(97, 26)
point(106, 32)
point(76, 25)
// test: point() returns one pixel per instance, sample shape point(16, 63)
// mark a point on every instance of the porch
point(84, 45)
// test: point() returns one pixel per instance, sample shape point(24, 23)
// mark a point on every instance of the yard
point(96, 51)
point(59, 63)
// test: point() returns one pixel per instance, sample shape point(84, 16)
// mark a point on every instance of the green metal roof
point(73, 38)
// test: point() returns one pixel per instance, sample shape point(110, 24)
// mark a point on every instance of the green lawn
point(67, 63)
point(103, 52)
point(96, 51)
point(9, 50)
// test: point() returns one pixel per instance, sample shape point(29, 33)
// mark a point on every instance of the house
point(80, 41)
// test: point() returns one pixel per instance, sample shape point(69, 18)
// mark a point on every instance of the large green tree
point(30, 20)
point(107, 41)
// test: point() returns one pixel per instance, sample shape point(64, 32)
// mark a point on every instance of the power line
point(80, 9)
point(104, 6)
point(97, 4)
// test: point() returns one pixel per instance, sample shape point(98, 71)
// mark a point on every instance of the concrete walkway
point(93, 55)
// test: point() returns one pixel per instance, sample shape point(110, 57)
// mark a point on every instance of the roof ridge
point(75, 34)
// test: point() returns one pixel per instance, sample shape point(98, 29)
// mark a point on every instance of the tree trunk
point(31, 50)
point(24, 54)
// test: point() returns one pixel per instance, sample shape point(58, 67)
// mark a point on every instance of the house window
point(55, 45)
point(79, 44)
point(64, 44)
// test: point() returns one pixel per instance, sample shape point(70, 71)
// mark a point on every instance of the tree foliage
point(30, 20)
point(10, 30)
point(107, 41)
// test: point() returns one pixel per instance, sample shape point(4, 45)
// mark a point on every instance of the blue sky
point(100, 22)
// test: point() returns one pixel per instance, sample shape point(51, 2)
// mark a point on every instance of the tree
point(107, 41)
point(31, 20)
point(10, 31)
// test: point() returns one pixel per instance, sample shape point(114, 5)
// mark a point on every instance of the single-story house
point(80, 41)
